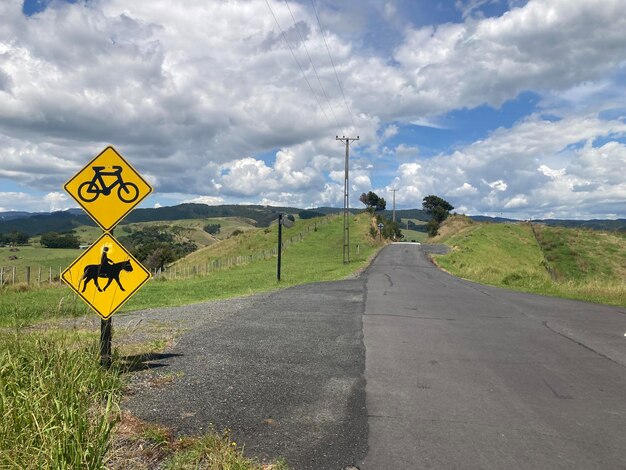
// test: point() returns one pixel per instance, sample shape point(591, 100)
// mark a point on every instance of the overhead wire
point(345, 101)
point(312, 64)
point(297, 62)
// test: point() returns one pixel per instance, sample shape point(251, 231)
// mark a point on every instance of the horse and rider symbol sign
point(105, 275)
point(108, 188)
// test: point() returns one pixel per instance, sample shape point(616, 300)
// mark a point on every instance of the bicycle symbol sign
point(90, 190)
point(108, 188)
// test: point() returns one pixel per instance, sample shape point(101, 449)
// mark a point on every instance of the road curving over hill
point(405, 367)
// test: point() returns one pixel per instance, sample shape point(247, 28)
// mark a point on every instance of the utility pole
point(394, 203)
point(346, 202)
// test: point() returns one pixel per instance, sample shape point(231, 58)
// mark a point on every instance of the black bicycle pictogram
point(90, 190)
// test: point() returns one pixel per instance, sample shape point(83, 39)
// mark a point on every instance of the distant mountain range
point(61, 221)
point(42, 222)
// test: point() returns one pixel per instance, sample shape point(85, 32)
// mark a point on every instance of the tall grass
point(57, 405)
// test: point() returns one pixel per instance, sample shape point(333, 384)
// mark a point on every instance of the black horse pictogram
point(94, 271)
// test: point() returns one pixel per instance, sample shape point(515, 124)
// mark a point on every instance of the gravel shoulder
point(283, 371)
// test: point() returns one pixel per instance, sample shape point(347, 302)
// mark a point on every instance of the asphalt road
point(461, 375)
point(406, 367)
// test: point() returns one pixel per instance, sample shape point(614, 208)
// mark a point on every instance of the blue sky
point(502, 107)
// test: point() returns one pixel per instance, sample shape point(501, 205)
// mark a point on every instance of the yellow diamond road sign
point(108, 188)
point(105, 275)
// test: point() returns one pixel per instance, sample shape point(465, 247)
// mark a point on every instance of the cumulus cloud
point(31, 202)
point(56, 200)
point(206, 100)
point(208, 200)
point(545, 45)
point(501, 173)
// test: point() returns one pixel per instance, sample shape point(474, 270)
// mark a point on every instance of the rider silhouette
point(105, 261)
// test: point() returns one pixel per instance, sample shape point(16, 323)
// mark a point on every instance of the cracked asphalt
point(405, 367)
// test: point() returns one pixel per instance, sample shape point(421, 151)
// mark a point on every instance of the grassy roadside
point(61, 410)
point(578, 264)
point(318, 257)
point(57, 404)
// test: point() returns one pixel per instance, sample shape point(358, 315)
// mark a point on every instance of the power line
point(312, 65)
point(345, 101)
point(297, 62)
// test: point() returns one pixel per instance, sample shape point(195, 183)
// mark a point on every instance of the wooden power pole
point(346, 202)
point(394, 203)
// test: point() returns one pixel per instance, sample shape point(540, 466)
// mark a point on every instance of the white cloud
point(28, 202)
point(545, 45)
point(200, 95)
point(534, 169)
point(554, 174)
point(466, 189)
point(390, 131)
point(404, 150)
point(208, 200)
point(56, 200)
point(498, 185)
point(517, 201)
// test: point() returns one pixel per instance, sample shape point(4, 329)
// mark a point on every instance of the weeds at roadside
point(139, 445)
point(58, 406)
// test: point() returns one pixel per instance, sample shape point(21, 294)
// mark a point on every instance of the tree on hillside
point(373, 201)
point(439, 209)
point(212, 229)
point(309, 214)
point(59, 240)
point(156, 246)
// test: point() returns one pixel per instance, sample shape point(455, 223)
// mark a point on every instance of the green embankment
point(573, 263)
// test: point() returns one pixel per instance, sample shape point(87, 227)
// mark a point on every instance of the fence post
point(39, 277)
point(50, 277)
point(28, 275)
point(1, 276)
point(13, 281)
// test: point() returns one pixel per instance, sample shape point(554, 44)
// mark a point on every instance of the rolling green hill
point(314, 257)
point(63, 221)
point(575, 263)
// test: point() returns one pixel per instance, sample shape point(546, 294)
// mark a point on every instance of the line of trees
point(59, 240)
point(14, 238)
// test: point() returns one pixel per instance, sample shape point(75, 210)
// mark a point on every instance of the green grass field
point(413, 235)
point(579, 264)
point(48, 260)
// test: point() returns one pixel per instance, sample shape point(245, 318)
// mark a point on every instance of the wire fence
point(49, 275)
point(31, 275)
point(180, 270)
